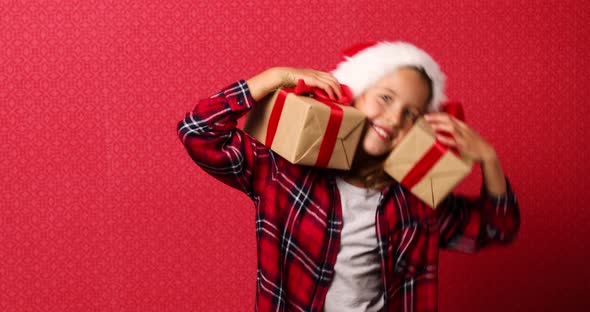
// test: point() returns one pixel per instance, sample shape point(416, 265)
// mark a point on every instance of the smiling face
point(391, 106)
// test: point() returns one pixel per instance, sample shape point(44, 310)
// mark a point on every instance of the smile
point(383, 134)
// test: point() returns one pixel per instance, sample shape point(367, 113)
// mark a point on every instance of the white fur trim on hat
point(364, 68)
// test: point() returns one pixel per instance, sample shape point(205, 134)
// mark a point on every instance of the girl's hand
point(463, 137)
point(277, 77)
point(289, 77)
point(474, 146)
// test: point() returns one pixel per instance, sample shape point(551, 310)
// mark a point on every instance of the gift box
point(426, 167)
point(303, 126)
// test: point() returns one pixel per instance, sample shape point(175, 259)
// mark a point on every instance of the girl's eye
point(386, 98)
point(410, 115)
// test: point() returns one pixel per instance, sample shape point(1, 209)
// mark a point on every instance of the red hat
point(364, 64)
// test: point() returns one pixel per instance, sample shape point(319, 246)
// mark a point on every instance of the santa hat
point(364, 64)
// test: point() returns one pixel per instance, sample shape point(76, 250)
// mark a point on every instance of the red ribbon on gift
point(334, 121)
point(437, 150)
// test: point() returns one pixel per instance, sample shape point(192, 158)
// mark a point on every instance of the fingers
point(455, 139)
point(326, 86)
point(447, 123)
point(446, 127)
point(457, 134)
point(320, 79)
point(315, 78)
point(439, 117)
point(445, 119)
point(330, 85)
point(446, 140)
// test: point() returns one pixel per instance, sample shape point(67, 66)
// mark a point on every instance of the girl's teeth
point(383, 133)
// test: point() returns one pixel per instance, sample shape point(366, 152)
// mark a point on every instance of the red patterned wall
point(101, 208)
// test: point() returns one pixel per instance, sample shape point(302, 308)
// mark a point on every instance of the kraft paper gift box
point(426, 167)
point(298, 129)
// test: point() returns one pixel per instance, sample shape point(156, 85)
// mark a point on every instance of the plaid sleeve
point(212, 140)
point(467, 224)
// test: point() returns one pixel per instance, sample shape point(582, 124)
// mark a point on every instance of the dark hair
point(368, 168)
point(427, 79)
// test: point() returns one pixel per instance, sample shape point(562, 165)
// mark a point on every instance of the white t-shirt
point(357, 284)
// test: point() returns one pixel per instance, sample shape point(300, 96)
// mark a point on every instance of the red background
point(102, 209)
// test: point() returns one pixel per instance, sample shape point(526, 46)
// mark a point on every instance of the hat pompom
point(364, 64)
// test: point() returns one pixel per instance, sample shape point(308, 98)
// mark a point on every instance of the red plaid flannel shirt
point(298, 216)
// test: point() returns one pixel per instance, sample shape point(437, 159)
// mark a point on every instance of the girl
point(329, 240)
